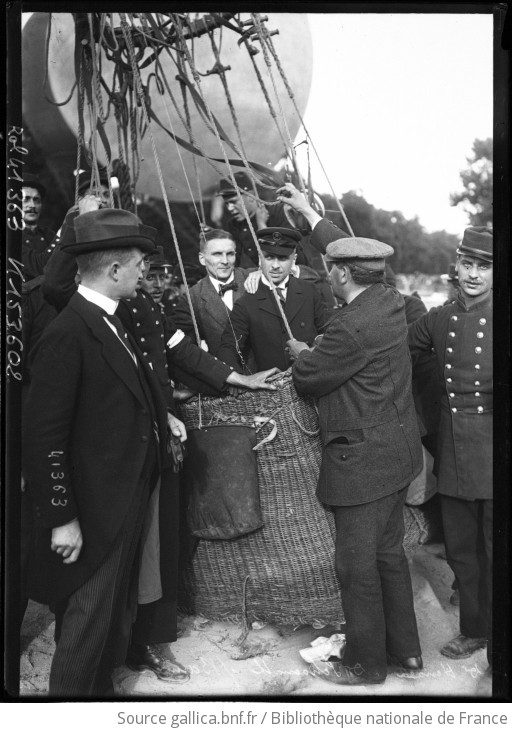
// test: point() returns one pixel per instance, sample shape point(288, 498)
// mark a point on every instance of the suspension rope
point(233, 181)
point(268, 40)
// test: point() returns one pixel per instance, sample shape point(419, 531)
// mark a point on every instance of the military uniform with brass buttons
point(461, 335)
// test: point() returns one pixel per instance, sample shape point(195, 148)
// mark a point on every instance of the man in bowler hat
point(360, 373)
point(94, 429)
point(460, 333)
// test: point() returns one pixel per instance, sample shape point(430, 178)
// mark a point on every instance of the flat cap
point(371, 252)
point(477, 242)
point(278, 240)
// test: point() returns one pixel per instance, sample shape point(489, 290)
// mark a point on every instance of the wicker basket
point(282, 573)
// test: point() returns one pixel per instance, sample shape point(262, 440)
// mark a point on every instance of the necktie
point(116, 322)
point(281, 292)
point(229, 286)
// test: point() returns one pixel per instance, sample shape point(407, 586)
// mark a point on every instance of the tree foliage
point(416, 250)
point(476, 196)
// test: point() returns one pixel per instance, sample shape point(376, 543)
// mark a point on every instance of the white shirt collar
point(102, 301)
point(282, 285)
point(216, 282)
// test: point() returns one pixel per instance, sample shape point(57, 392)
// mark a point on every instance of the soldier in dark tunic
point(460, 333)
point(37, 240)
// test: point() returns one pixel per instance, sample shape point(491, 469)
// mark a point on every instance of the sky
point(396, 103)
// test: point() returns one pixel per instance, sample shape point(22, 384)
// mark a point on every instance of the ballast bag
point(221, 477)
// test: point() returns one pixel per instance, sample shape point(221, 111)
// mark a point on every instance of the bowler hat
point(32, 180)
point(370, 252)
point(477, 242)
point(228, 191)
point(278, 240)
point(110, 229)
point(193, 273)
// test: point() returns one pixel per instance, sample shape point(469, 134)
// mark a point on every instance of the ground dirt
point(267, 664)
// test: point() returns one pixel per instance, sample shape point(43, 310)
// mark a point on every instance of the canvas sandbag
point(221, 478)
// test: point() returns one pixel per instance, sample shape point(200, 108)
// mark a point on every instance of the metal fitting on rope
point(217, 68)
point(256, 36)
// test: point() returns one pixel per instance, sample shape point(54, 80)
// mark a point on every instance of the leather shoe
point(462, 647)
point(158, 659)
point(339, 674)
point(411, 664)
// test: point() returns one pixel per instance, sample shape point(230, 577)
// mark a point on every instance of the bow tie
point(229, 286)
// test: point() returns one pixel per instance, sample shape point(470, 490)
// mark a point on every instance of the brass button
point(480, 335)
point(478, 350)
point(479, 409)
point(477, 384)
point(448, 366)
point(449, 350)
point(454, 318)
point(449, 380)
point(477, 394)
point(451, 334)
point(454, 409)
point(477, 366)
point(452, 394)
point(482, 321)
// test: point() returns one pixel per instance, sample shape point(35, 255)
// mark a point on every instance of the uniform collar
point(282, 285)
point(480, 305)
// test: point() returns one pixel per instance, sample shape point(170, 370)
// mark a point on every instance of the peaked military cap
point(278, 240)
point(84, 180)
point(477, 242)
point(157, 260)
point(110, 229)
point(228, 191)
point(31, 180)
point(370, 252)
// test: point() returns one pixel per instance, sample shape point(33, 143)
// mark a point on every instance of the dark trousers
point(93, 625)
point(375, 583)
point(467, 527)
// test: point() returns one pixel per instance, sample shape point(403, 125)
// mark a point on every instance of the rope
point(234, 183)
point(270, 43)
point(45, 80)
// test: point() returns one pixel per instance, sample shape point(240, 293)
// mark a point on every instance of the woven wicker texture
point(287, 566)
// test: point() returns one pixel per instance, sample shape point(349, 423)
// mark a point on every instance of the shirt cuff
point(315, 219)
point(176, 339)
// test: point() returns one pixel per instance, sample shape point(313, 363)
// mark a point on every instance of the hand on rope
point(294, 347)
point(290, 195)
point(262, 214)
point(89, 202)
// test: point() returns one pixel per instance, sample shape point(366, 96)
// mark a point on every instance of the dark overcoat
point(461, 337)
point(89, 422)
point(209, 309)
point(361, 375)
point(256, 325)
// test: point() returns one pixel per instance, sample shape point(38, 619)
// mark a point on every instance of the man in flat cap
point(255, 325)
point(94, 429)
point(460, 333)
point(360, 373)
point(37, 240)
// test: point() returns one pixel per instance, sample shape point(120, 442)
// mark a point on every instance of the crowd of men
point(107, 354)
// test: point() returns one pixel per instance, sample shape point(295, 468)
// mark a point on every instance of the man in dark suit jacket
point(93, 432)
point(361, 375)
point(256, 325)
